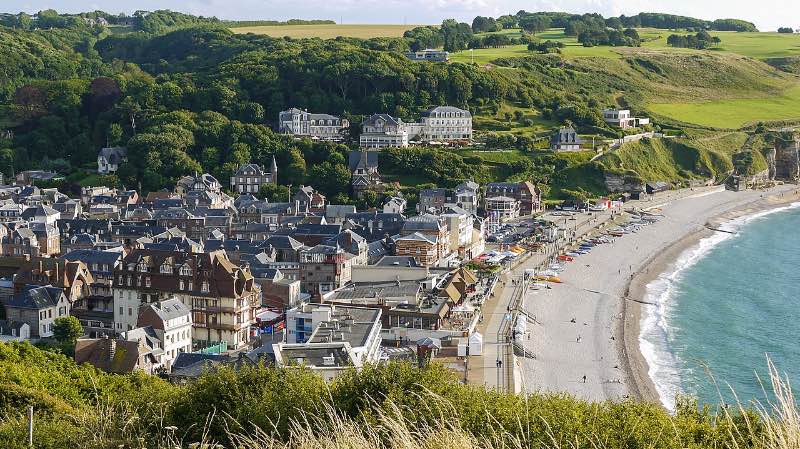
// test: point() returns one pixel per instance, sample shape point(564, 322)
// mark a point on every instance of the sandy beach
point(589, 325)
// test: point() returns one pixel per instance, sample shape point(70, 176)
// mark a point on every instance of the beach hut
point(476, 344)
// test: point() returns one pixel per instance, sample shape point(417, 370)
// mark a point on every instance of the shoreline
point(636, 368)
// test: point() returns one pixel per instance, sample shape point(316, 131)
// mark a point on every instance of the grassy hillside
point(327, 31)
point(396, 406)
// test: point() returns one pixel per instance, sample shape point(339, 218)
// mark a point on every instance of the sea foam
point(664, 366)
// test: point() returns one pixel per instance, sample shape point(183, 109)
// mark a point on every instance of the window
point(185, 271)
point(147, 281)
point(180, 287)
point(166, 268)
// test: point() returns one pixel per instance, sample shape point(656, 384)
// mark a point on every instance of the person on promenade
point(584, 378)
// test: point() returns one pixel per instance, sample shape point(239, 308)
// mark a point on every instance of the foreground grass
point(327, 31)
point(395, 406)
point(734, 113)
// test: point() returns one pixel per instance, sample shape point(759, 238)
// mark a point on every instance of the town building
point(364, 169)
point(566, 139)
point(118, 355)
point(250, 177)
point(302, 123)
point(222, 296)
point(330, 339)
point(109, 159)
point(309, 199)
point(324, 268)
point(395, 205)
point(38, 307)
point(171, 320)
point(14, 331)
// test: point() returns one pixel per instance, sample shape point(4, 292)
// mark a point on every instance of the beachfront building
point(302, 123)
point(566, 139)
point(250, 177)
point(529, 197)
point(501, 208)
point(621, 118)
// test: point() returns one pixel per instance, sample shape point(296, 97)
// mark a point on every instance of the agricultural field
point(327, 31)
point(734, 113)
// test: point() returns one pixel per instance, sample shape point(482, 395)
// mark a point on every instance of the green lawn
point(754, 45)
point(734, 113)
point(327, 31)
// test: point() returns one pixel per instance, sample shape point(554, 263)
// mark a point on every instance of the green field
point(734, 113)
point(327, 31)
point(754, 45)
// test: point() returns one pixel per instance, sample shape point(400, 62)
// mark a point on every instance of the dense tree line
point(700, 41)
point(547, 46)
point(786, 30)
point(615, 38)
point(641, 20)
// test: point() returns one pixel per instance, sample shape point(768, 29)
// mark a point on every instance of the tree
point(67, 329)
point(30, 102)
point(274, 193)
point(331, 179)
point(295, 172)
point(535, 23)
point(7, 162)
point(786, 30)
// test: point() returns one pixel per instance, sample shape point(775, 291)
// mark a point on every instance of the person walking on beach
point(584, 378)
point(578, 340)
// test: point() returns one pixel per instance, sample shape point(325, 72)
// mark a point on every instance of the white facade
point(446, 124)
point(621, 118)
point(501, 208)
point(317, 126)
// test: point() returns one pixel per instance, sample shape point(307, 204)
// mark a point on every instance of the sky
point(768, 15)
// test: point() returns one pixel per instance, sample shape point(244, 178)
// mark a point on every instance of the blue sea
point(730, 302)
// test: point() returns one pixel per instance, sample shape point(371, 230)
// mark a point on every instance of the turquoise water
point(732, 301)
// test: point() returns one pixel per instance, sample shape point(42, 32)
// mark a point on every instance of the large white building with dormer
point(302, 123)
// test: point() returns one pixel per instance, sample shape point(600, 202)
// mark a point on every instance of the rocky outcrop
point(622, 182)
point(787, 159)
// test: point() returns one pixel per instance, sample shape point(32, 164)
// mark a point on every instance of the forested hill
point(188, 94)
